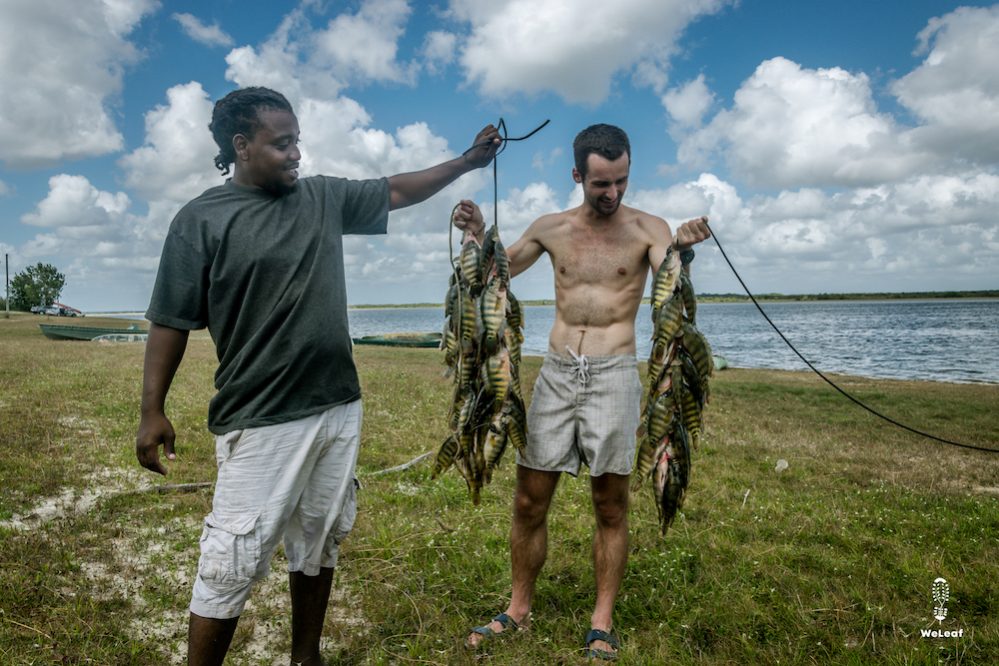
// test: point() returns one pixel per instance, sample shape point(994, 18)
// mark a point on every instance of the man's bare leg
point(528, 542)
point(208, 639)
point(610, 547)
point(310, 595)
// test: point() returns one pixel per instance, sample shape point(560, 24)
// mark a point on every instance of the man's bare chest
point(590, 258)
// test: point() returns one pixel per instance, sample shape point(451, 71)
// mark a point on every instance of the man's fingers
point(692, 232)
point(149, 458)
point(154, 430)
point(168, 447)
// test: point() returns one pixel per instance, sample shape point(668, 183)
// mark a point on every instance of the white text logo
point(941, 593)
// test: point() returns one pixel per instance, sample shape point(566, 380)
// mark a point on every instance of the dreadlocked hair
point(608, 141)
point(236, 113)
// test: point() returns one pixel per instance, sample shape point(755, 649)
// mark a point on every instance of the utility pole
point(6, 300)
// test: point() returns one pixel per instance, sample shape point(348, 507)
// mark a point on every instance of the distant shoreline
point(741, 298)
point(702, 298)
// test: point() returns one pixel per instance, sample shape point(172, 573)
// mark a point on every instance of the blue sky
point(847, 146)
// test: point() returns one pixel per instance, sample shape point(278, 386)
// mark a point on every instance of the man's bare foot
point(498, 625)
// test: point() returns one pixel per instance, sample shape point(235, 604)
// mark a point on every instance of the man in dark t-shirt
point(259, 262)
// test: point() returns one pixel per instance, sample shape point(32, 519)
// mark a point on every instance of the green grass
point(830, 561)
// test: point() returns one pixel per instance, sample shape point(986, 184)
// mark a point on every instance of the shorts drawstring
point(580, 367)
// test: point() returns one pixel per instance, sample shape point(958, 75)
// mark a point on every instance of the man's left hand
point(692, 232)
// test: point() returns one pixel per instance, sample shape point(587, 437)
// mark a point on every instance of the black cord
point(829, 381)
point(504, 136)
point(504, 139)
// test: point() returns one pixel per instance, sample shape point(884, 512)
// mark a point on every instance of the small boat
point(122, 337)
point(401, 340)
point(63, 332)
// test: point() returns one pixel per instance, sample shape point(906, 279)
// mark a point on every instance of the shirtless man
point(585, 406)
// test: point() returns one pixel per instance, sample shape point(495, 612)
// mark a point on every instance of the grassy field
point(829, 561)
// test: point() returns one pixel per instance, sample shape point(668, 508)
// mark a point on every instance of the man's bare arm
point(662, 238)
point(523, 253)
point(406, 189)
point(164, 350)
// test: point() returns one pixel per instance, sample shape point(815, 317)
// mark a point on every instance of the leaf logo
point(941, 593)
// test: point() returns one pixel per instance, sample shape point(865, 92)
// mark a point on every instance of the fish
point(471, 271)
point(445, 456)
point(493, 310)
point(671, 475)
point(664, 281)
point(678, 371)
point(482, 339)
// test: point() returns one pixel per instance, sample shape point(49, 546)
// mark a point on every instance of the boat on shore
point(427, 340)
point(65, 332)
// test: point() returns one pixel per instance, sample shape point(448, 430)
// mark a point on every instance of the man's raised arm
point(406, 189)
point(522, 254)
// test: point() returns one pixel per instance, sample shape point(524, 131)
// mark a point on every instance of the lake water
point(936, 339)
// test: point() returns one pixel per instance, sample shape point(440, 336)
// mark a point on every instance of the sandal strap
point(504, 619)
point(601, 635)
point(507, 621)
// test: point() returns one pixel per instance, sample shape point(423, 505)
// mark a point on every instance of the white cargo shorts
point(291, 480)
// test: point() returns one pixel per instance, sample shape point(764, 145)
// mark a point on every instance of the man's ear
point(576, 176)
point(239, 146)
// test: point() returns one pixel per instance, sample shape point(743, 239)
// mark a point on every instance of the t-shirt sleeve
point(365, 206)
point(180, 294)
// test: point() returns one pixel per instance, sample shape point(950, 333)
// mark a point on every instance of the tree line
point(38, 285)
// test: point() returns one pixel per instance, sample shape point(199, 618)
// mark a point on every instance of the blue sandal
point(509, 624)
point(601, 635)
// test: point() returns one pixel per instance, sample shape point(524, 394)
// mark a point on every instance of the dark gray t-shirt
point(265, 275)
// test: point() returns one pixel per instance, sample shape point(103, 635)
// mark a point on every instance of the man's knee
point(611, 513)
point(610, 506)
point(528, 510)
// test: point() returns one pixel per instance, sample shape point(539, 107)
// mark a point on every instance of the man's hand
point(691, 232)
point(484, 148)
point(154, 429)
point(468, 217)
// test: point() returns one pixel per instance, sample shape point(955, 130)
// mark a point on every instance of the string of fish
point(679, 368)
point(482, 337)
point(481, 341)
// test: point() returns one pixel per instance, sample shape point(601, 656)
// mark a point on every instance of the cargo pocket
point(225, 445)
point(230, 551)
point(348, 513)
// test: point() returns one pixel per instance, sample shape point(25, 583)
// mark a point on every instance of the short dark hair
point(236, 113)
point(608, 141)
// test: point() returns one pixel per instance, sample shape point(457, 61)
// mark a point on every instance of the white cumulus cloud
point(66, 67)
point(439, 50)
point(955, 91)
point(572, 49)
point(364, 45)
point(175, 163)
point(73, 202)
point(687, 104)
point(792, 126)
point(209, 35)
